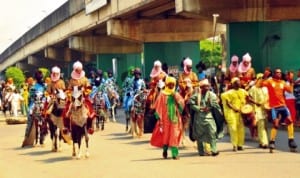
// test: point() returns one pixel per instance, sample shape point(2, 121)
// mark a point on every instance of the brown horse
point(54, 111)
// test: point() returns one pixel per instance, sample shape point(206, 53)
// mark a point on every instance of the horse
point(79, 121)
point(99, 105)
point(38, 118)
point(55, 113)
point(137, 114)
point(114, 100)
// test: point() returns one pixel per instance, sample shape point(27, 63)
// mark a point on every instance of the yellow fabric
point(236, 130)
point(168, 91)
point(237, 98)
point(290, 129)
point(273, 134)
point(224, 99)
point(262, 133)
point(259, 76)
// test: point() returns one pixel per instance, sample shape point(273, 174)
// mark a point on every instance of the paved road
point(115, 154)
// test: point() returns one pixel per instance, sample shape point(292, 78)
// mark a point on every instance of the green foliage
point(45, 71)
point(16, 74)
point(209, 56)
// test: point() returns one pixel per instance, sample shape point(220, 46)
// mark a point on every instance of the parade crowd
point(200, 104)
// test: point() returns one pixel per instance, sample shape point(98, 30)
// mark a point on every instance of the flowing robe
point(172, 130)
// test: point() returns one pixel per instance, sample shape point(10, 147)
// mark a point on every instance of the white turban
point(234, 58)
point(55, 69)
point(187, 61)
point(157, 63)
point(247, 57)
point(77, 65)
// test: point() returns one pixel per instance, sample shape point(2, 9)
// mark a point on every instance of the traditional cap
point(234, 58)
point(204, 82)
point(234, 79)
point(137, 71)
point(166, 90)
point(74, 74)
point(259, 76)
point(77, 65)
point(157, 63)
point(187, 61)
point(170, 79)
point(55, 70)
point(156, 71)
point(247, 57)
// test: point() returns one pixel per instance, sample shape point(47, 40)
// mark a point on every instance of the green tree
point(210, 52)
point(16, 74)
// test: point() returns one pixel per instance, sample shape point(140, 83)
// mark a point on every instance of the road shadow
point(121, 138)
point(141, 142)
point(118, 134)
point(56, 159)
point(151, 159)
point(37, 153)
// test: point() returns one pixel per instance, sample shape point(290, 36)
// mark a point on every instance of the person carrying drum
point(280, 113)
point(258, 99)
point(235, 99)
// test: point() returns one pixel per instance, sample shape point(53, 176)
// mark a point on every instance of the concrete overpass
point(80, 29)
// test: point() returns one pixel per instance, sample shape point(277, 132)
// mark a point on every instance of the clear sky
point(18, 16)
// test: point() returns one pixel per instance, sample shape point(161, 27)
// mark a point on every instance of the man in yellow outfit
point(258, 99)
point(233, 100)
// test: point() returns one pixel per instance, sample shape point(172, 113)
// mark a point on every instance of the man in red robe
point(169, 106)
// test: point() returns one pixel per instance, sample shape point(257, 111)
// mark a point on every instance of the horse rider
point(36, 92)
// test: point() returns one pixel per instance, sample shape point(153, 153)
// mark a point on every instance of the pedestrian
point(204, 126)
point(168, 108)
point(289, 97)
point(187, 82)
point(36, 99)
point(232, 71)
point(258, 99)
point(79, 80)
point(280, 113)
point(235, 99)
point(157, 82)
point(56, 82)
point(297, 96)
point(16, 102)
point(201, 70)
point(128, 94)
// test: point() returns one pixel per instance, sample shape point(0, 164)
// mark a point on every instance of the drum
point(247, 109)
point(248, 115)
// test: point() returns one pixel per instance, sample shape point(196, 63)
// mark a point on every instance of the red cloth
point(291, 104)
point(157, 136)
point(172, 132)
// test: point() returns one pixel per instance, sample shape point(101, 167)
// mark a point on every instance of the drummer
point(235, 99)
point(258, 99)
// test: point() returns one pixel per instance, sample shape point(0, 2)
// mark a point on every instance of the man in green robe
point(204, 126)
